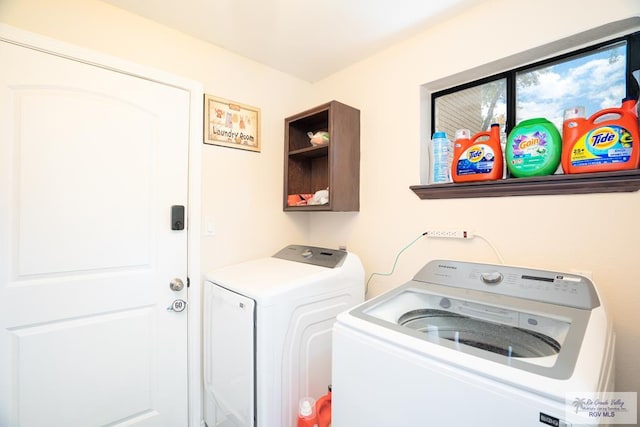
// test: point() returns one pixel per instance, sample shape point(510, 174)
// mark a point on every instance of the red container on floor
point(323, 410)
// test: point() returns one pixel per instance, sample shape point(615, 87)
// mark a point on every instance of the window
point(595, 77)
point(474, 108)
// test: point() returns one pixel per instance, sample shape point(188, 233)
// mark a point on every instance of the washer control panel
point(491, 277)
point(323, 257)
point(570, 290)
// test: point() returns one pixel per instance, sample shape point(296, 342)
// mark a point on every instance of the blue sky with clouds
point(594, 81)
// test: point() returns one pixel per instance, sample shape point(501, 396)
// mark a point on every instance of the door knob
point(177, 306)
point(176, 285)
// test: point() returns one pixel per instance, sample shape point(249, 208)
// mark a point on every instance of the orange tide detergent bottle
point(606, 141)
point(475, 160)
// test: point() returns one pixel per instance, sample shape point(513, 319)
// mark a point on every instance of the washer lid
point(494, 337)
point(529, 335)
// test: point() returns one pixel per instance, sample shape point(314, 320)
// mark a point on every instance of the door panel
point(121, 356)
point(50, 180)
point(91, 161)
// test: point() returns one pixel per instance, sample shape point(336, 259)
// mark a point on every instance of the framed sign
point(231, 124)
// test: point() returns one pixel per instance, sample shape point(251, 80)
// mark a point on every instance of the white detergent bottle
point(440, 159)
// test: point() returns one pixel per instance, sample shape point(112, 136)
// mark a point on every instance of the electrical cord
point(495, 250)
point(366, 289)
point(467, 235)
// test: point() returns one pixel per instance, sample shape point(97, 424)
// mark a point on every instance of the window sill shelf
point(602, 182)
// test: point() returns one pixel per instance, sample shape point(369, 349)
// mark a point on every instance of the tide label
point(603, 145)
point(477, 159)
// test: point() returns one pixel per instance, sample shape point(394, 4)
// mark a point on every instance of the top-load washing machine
point(267, 333)
point(466, 344)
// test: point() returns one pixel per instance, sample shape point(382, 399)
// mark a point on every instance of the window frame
point(632, 64)
point(589, 183)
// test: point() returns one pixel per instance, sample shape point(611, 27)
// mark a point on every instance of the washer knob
point(491, 277)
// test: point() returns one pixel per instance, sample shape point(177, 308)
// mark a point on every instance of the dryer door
point(229, 354)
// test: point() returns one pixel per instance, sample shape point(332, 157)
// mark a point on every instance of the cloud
point(595, 83)
point(551, 85)
point(551, 111)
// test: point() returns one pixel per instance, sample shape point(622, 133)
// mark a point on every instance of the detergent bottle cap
point(306, 407)
point(574, 113)
point(440, 134)
point(463, 134)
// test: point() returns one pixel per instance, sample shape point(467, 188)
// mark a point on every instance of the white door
point(91, 162)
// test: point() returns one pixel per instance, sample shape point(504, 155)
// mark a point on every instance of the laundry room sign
point(231, 124)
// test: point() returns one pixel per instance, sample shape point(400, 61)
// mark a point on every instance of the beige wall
point(242, 190)
point(596, 233)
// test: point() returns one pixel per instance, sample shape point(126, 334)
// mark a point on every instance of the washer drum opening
point(494, 337)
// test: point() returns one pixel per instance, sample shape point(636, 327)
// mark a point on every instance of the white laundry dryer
point(267, 333)
point(466, 344)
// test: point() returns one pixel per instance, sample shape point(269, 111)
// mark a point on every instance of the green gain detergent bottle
point(534, 148)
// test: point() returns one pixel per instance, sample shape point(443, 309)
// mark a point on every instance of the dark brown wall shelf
point(334, 166)
point(602, 182)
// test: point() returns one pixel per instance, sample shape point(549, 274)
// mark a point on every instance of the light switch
point(209, 226)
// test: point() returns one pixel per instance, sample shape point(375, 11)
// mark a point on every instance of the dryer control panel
point(323, 257)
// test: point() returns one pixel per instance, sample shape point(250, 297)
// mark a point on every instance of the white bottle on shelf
point(440, 159)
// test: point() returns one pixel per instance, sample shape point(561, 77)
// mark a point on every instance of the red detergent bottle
point(323, 410)
point(606, 141)
point(475, 160)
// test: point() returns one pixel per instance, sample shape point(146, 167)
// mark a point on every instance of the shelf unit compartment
point(335, 165)
point(307, 175)
point(298, 129)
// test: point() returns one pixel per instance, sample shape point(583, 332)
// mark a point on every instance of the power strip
point(455, 233)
